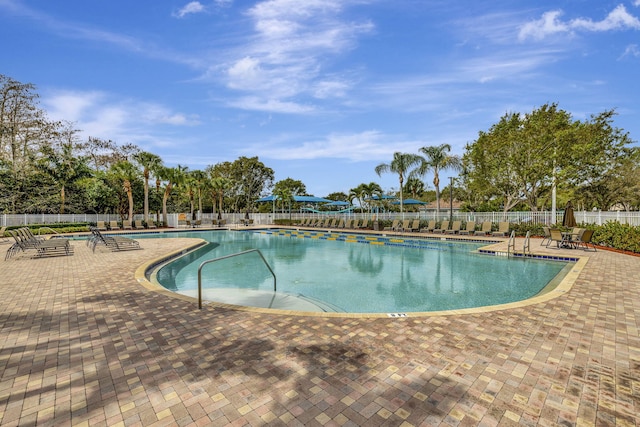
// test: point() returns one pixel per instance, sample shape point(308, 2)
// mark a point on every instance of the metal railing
point(226, 257)
point(526, 246)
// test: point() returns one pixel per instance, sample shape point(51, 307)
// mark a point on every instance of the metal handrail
point(512, 243)
point(526, 247)
point(225, 257)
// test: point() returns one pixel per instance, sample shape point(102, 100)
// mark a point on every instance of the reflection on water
point(360, 277)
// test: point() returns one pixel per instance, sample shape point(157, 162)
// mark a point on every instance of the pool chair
point(3, 239)
point(151, 224)
point(341, 224)
point(394, 226)
point(485, 228)
point(546, 236)
point(585, 240)
point(443, 227)
point(561, 239)
point(469, 228)
point(404, 226)
point(126, 224)
point(364, 223)
point(455, 227)
point(101, 225)
point(25, 241)
point(430, 226)
point(137, 224)
point(415, 226)
point(503, 229)
point(113, 243)
point(113, 225)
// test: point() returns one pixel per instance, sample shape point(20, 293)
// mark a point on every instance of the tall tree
point(401, 164)
point(172, 177)
point(437, 159)
point(126, 172)
point(149, 163)
point(250, 178)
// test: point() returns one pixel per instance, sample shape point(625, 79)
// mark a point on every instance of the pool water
point(356, 273)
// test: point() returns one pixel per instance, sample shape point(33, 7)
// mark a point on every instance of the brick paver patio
point(83, 343)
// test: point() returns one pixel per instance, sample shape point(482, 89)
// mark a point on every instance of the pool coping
point(564, 286)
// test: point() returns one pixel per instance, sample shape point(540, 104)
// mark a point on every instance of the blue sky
point(321, 91)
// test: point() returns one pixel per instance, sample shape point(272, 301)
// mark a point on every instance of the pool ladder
point(225, 257)
point(526, 247)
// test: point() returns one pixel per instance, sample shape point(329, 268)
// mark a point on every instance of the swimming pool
point(354, 273)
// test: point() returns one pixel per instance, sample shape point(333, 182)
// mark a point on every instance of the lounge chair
point(25, 240)
point(348, 223)
point(333, 223)
point(443, 227)
point(585, 240)
point(101, 225)
point(138, 225)
point(404, 226)
point(469, 228)
point(394, 226)
point(364, 223)
point(485, 228)
point(113, 243)
point(503, 229)
point(342, 223)
point(126, 224)
point(151, 224)
point(113, 225)
point(3, 238)
point(415, 226)
point(430, 226)
point(455, 227)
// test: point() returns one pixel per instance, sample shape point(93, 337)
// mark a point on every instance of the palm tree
point(401, 164)
point(150, 163)
point(437, 159)
point(173, 176)
point(358, 193)
point(200, 181)
point(126, 172)
point(219, 185)
point(372, 190)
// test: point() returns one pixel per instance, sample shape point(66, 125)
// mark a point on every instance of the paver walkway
point(83, 343)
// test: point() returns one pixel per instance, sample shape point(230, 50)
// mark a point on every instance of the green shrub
point(619, 236)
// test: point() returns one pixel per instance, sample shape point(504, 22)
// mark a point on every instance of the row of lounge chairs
point(126, 225)
point(486, 228)
point(334, 223)
point(26, 241)
point(113, 243)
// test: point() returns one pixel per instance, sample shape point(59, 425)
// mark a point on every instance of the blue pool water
point(357, 274)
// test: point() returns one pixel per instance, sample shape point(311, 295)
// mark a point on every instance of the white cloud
point(190, 8)
point(291, 47)
point(98, 114)
point(363, 146)
point(550, 23)
point(631, 50)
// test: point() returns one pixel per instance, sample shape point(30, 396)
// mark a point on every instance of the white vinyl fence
point(175, 220)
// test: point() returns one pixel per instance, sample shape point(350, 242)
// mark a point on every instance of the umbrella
point(568, 218)
point(410, 202)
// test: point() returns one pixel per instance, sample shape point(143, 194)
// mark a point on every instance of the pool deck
point(84, 342)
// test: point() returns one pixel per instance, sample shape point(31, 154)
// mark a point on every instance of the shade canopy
point(338, 203)
point(296, 198)
point(410, 202)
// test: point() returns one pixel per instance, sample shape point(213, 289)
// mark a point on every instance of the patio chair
point(113, 225)
point(364, 223)
point(394, 226)
point(469, 228)
point(113, 243)
point(485, 228)
point(3, 238)
point(455, 227)
point(503, 229)
point(585, 240)
point(101, 225)
point(126, 224)
point(151, 224)
point(431, 225)
point(444, 226)
point(546, 236)
point(561, 240)
point(415, 226)
point(138, 225)
point(25, 241)
point(404, 226)
point(342, 223)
